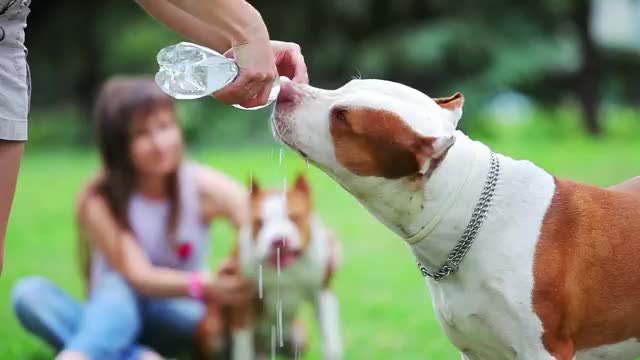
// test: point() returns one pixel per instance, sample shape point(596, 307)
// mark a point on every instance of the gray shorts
point(15, 79)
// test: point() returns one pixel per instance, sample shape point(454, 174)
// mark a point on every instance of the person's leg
point(170, 324)
point(15, 100)
point(10, 155)
point(110, 323)
point(45, 310)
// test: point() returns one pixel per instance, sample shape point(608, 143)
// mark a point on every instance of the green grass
point(385, 308)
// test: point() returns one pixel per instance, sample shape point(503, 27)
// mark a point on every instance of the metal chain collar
point(478, 216)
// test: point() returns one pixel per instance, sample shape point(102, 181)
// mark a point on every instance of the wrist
point(197, 284)
point(251, 30)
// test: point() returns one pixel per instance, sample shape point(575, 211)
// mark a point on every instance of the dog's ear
point(452, 106)
point(430, 151)
point(301, 184)
point(254, 188)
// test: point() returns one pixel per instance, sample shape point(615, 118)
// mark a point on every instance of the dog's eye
point(339, 116)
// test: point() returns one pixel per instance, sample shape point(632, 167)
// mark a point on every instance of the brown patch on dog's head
point(256, 196)
point(379, 143)
point(298, 206)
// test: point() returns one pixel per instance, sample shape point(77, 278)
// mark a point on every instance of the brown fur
point(299, 204)
point(218, 323)
point(212, 326)
point(378, 143)
point(586, 287)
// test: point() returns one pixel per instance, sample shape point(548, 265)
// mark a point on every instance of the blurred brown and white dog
point(292, 257)
point(524, 265)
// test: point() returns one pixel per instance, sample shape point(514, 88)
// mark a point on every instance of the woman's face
point(156, 143)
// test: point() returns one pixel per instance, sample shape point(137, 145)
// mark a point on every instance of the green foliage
point(62, 126)
point(478, 47)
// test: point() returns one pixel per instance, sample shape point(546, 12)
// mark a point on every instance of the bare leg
point(10, 155)
point(631, 186)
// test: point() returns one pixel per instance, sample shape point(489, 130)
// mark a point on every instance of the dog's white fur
point(300, 282)
point(486, 308)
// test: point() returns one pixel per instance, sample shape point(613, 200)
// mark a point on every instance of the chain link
point(478, 216)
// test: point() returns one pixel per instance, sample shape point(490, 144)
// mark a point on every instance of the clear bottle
point(190, 71)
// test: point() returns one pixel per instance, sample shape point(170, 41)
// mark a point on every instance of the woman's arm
point(230, 22)
point(222, 197)
point(186, 24)
point(224, 24)
point(125, 256)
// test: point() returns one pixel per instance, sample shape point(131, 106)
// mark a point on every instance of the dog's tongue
point(287, 257)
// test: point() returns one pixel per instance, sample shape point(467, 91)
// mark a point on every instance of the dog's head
point(280, 222)
point(367, 128)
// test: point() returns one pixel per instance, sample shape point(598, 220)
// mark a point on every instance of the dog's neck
point(413, 209)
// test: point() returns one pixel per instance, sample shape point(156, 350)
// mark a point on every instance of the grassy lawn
point(385, 308)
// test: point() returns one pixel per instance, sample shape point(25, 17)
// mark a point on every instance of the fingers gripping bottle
point(190, 71)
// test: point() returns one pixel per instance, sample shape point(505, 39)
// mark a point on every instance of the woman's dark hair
point(120, 102)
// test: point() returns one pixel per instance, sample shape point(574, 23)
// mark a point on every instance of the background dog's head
point(367, 127)
point(280, 222)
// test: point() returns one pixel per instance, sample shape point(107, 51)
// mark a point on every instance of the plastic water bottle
point(190, 71)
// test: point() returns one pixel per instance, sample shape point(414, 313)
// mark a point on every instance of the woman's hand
point(229, 266)
point(234, 24)
point(289, 61)
point(257, 73)
point(230, 289)
point(260, 62)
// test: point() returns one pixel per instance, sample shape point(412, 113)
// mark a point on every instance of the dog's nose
point(288, 90)
point(279, 243)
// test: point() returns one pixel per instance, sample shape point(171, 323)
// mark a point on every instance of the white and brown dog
point(292, 257)
point(520, 265)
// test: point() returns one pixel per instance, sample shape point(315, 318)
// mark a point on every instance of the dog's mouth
point(282, 255)
point(283, 134)
point(303, 154)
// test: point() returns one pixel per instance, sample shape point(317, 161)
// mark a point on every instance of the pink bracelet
point(195, 286)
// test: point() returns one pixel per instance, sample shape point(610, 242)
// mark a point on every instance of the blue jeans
point(112, 324)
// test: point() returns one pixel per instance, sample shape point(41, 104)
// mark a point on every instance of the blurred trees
point(541, 48)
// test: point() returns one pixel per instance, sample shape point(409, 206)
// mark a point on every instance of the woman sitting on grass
point(146, 219)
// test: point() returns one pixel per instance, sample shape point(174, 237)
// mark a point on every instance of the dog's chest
point(487, 313)
point(291, 286)
point(284, 294)
point(478, 321)
point(486, 309)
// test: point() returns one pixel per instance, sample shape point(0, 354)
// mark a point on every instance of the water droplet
point(273, 342)
point(278, 260)
point(280, 156)
point(284, 191)
point(306, 162)
point(260, 281)
point(280, 323)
